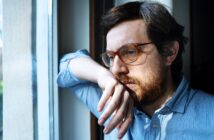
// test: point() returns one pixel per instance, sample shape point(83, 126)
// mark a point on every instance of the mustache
point(126, 79)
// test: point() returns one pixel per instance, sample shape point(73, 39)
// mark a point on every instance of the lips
point(130, 84)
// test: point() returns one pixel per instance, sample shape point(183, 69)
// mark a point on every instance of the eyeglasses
point(130, 54)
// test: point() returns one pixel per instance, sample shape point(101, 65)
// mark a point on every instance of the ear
point(170, 52)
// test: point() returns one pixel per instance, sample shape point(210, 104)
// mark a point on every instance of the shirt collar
point(179, 100)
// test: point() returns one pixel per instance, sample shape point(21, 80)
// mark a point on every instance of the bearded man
point(143, 94)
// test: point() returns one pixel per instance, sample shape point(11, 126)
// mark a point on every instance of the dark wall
point(202, 47)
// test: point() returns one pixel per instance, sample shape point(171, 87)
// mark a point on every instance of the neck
point(166, 95)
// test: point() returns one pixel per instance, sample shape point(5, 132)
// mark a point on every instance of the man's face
point(145, 80)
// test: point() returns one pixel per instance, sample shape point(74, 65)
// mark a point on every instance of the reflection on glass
point(50, 60)
point(1, 82)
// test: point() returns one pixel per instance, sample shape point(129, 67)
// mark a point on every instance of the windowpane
point(1, 79)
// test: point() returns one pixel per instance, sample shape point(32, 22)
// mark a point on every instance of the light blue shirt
point(188, 115)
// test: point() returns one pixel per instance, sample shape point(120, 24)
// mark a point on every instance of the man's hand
point(119, 104)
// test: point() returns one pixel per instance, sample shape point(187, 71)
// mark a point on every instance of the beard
point(148, 90)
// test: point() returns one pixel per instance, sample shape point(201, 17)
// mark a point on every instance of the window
point(46, 110)
point(29, 70)
point(1, 78)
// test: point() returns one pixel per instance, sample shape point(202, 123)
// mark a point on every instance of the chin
point(146, 95)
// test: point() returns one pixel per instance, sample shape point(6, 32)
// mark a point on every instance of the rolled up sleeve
point(89, 93)
point(66, 78)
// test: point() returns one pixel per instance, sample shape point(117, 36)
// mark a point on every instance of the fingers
point(119, 108)
point(119, 115)
point(108, 91)
point(127, 121)
point(105, 96)
point(113, 104)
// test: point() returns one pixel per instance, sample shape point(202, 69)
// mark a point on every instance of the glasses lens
point(131, 54)
point(107, 59)
point(128, 54)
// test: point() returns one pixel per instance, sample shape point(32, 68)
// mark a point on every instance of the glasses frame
point(138, 46)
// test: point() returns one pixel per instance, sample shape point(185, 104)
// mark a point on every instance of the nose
point(118, 67)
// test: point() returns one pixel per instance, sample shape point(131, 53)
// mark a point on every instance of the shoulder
point(200, 109)
point(202, 97)
point(201, 102)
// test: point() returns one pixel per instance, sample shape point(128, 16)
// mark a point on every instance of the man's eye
point(131, 52)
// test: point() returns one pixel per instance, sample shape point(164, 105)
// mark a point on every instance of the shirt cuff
point(66, 78)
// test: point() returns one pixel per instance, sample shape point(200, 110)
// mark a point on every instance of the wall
point(73, 34)
point(181, 12)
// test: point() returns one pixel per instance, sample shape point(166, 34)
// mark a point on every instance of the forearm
point(86, 68)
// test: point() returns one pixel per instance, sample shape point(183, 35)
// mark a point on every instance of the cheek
point(150, 70)
point(141, 74)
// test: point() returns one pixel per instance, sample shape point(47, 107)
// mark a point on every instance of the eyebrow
point(139, 43)
point(122, 46)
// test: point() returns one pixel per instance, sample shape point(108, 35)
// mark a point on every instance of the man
point(143, 95)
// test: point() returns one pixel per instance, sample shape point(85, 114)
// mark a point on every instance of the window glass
point(1, 79)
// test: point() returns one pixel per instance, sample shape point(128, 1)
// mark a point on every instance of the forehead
point(133, 31)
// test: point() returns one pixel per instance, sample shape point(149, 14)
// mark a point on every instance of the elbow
point(60, 81)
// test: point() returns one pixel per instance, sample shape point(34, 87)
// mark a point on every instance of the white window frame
point(47, 69)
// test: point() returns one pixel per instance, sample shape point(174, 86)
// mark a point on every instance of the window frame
point(47, 69)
